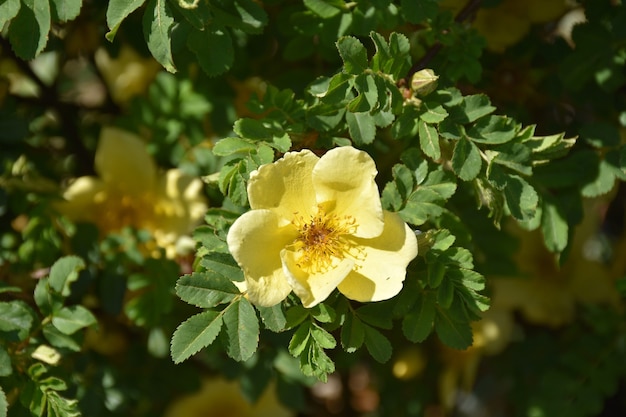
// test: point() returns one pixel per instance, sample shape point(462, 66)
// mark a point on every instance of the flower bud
point(424, 82)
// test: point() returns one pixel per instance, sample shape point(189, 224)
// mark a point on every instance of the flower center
point(322, 239)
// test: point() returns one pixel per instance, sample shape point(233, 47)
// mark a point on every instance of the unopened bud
point(424, 82)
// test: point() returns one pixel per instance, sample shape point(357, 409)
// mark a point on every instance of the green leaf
point(361, 127)
point(213, 48)
point(206, 290)
point(391, 58)
point(324, 339)
point(554, 226)
point(429, 140)
point(453, 332)
point(418, 323)
point(472, 108)
point(273, 317)
point(432, 112)
point(230, 146)
point(578, 168)
point(224, 264)
point(300, 339)
point(445, 293)
point(493, 130)
point(5, 363)
point(377, 345)
point(66, 10)
point(117, 11)
point(324, 9)
point(196, 333)
point(521, 198)
point(158, 24)
point(59, 339)
point(436, 272)
point(16, 316)
point(73, 318)
point(63, 272)
point(28, 31)
point(603, 183)
point(376, 314)
point(367, 99)
point(352, 334)
point(353, 54)
point(466, 161)
point(4, 405)
point(242, 330)
point(600, 134)
point(46, 298)
point(8, 10)
point(419, 11)
point(515, 156)
point(406, 125)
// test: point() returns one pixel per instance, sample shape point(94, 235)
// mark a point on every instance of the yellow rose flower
point(127, 75)
point(317, 224)
point(130, 192)
point(221, 398)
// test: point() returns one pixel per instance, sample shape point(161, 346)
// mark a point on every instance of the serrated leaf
point(377, 345)
point(63, 272)
point(406, 124)
point(423, 204)
point(213, 48)
point(361, 127)
point(376, 314)
point(224, 264)
point(367, 99)
point(323, 313)
point(418, 323)
point(432, 112)
point(324, 339)
point(195, 333)
point(493, 130)
point(66, 10)
point(242, 330)
point(453, 332)
point(206, 290)
point(73, 318)
point(352, 334)
point(274, 317)
point(353, 54)
point(429, 140)
point(46, 298)
point(445, 293)
point(466, 160)
point(300, 339)
point(28, 31)
point(472, 108)
point(15, 316)
point(520, 196)
point(117, 11)
point(230, 146)
point(158, 24)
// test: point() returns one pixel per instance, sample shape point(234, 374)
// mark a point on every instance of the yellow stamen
point(324, 238)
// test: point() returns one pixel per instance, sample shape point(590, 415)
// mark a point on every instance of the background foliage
point(497, 128)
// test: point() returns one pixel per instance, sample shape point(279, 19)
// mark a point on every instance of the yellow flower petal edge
point(317, 224)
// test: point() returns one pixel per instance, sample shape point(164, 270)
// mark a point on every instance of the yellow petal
point(123, 162)
point(344, 183)
point(285, 186)
point(80, 199)
point(255, 241)
point(379, 274)
point(313, 288)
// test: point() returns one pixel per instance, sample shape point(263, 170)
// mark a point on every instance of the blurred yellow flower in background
point(219, 397)
point(128, 74)
point(130, 192)
point(510, 20)
point(548, 294)
point(317, 224)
